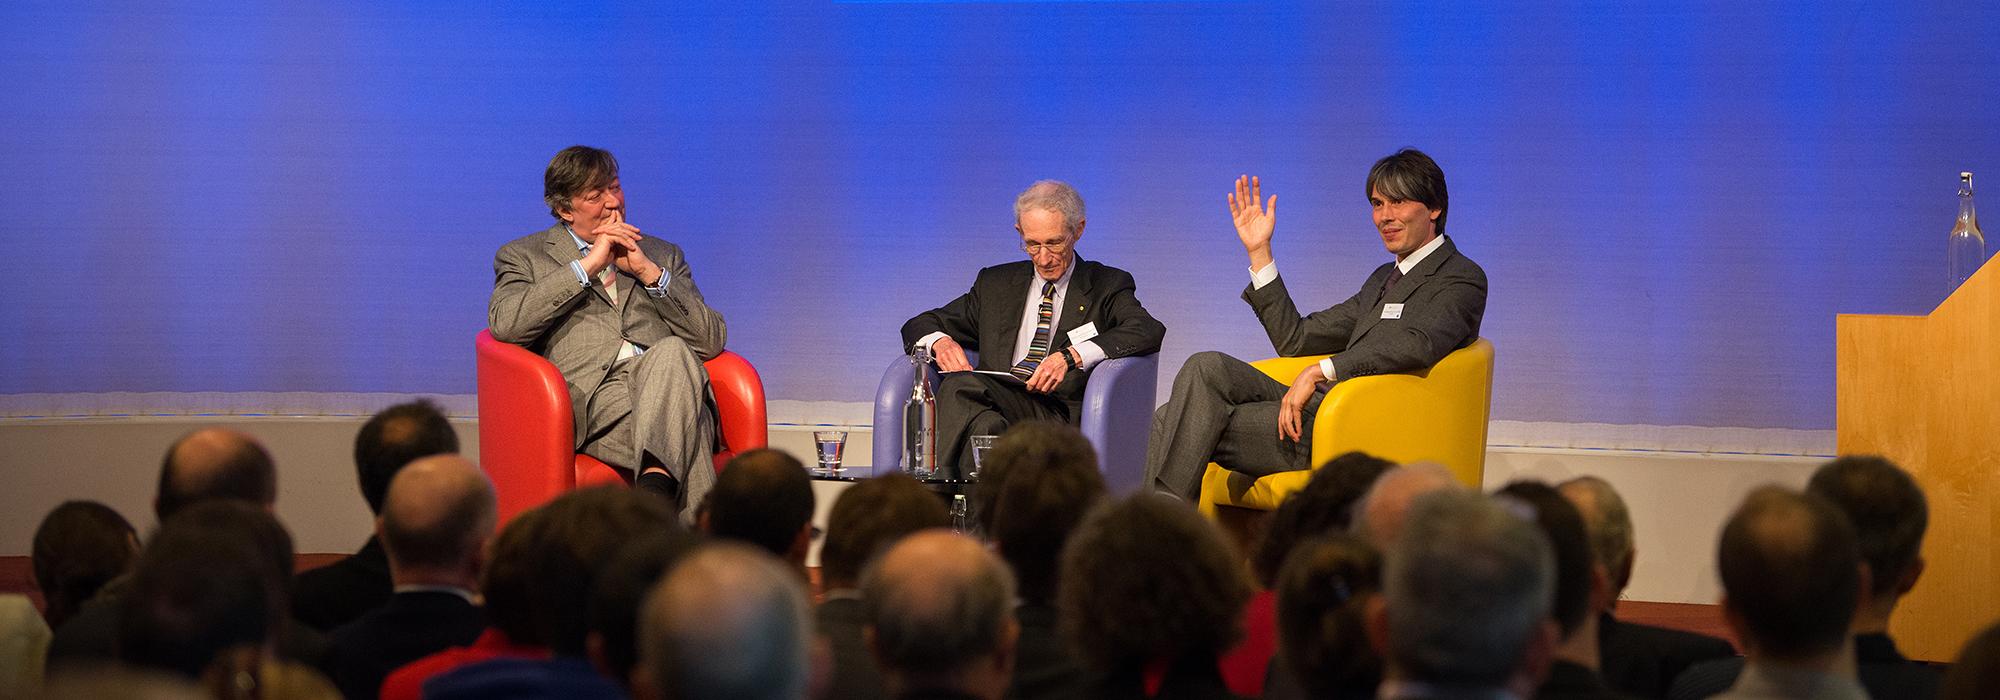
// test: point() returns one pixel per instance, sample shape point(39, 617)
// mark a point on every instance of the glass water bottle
point(920, 419)
point(1968, 245)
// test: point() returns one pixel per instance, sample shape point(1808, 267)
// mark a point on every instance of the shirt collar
point(580, 245)
point(1409, 262)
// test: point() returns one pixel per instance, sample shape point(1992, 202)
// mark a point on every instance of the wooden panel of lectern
point(1924, 391)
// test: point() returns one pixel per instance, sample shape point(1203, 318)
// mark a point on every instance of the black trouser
point(969, 403)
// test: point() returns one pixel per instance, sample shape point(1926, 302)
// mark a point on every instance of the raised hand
point(625, 252)
point(1254, 218)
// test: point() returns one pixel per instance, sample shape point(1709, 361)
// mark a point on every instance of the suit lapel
point(1076, 303)
point(1405, 287)
point(1001, 347)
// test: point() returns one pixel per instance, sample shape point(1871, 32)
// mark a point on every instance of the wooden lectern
point(1924, 391)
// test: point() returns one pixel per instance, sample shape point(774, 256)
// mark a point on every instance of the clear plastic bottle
point(961, 514)
point(1967, 249)
point(920, 420)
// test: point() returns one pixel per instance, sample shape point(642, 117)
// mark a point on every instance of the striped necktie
point(1039, 348)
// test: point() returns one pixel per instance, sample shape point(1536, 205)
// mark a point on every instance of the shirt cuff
point(927, 341)
point(582, 279)
point(1089, 353)
point(1326, 368)
point(659, 290)
point(1259, 278)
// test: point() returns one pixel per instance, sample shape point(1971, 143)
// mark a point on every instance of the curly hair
point(1041, 481)
point(1147, 578)
point(1323, 589)
point(1324, 505)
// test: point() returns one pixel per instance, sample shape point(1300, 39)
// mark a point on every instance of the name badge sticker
point(1082, 333)
point(1392, 311)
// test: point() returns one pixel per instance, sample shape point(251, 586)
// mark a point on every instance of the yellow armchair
point(1437, 415)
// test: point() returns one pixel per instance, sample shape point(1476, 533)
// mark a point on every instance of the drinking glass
point(831, 444)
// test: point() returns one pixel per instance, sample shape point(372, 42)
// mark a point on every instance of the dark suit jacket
point(411, 626)
point(1045, 668)
point(987, 319)
point(1569, 681)
point(1643, 660)
point(1443, 300)
point(1881, 668)
point(855, 675)
point(1193, 677)
point(339, 593)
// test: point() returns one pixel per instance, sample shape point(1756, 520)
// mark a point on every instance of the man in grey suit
point(619, 314)
point(1407, 316)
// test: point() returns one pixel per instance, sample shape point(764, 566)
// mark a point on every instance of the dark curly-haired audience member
point(338, 593)
point(1791, 575)
point(867, 518)
point(729, 622)
point(1581, 589)
point(940, 612)
point(79, 547)
point(1466, 590)
point(621, 590)
point(764, 497)
point(1889, 515)
point(1323, 592)
point(1975, 675)
point(1151, 587)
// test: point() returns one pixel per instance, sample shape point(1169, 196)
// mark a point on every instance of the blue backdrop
point(1672, 199)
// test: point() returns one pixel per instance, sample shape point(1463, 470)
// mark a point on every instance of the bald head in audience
point(729, 621)
point(436, 518)
point(1382, 510)
point(1791, 579)
point(941, 617)
point(1609, 524)
point(213, 463)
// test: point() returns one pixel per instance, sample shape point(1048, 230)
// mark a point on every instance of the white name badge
point(1082, 333)
point(1390, 311)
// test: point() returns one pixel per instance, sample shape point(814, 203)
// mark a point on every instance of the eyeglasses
point(1039, 248)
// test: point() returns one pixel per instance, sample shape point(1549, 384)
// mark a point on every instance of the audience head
point(1578, 585)
point(1324, 506)
point(79, 547)
point(1323, 589)
point(621, 588)
point(1976, 673)
point(1889, 515)
point(1038, 484)
point(212, 579)
point(728, 621)
point(1147, 578)
point(435, 522)
point(399, 435)
point(868, 517)
point(1791, 575)
point(572, 535)
point(1467, 587)
point(940, 612)
point(1609, 524)
point(764, 497)
point(1380, 517)
point(215, 463)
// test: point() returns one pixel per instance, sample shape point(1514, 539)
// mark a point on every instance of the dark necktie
point(1039, 347)
point(1395, 273)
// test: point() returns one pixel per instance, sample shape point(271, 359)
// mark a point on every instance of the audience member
point(1325, 505)
point(336, 594)
point(1976, 673)
point(1324, 588)
point(79, 547)
point(434, 524)
point(1151, 593)
point(1633, 658)
point(1791, 579)
point(512, 629)
point(728, 622)
point(204, 465)
point(1038, 484)
point(867, 518)
point(941, 617)
point(1889, 515)
point(1467, 590)
point(24, 646)
point(99, 682)
point(620, 593)
point(581, 531)
point(1379, 517)
point(1582, 588)
point(764, 497)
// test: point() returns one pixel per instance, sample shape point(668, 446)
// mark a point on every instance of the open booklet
point(1004, 375)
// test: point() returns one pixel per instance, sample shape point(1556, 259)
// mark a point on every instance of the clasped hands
point(615, 242)
point(950, 357)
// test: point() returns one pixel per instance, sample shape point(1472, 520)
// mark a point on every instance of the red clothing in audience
point(407, 683)
point(1243, 667)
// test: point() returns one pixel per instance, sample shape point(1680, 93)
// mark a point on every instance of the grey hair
point(1056, 196)
point(729, 621)
point(1467, 585)
point(1607, 520)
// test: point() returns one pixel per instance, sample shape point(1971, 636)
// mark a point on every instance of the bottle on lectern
point(920, 419)
point(1968, 245)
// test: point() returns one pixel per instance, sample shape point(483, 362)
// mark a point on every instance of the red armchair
point(526, 440)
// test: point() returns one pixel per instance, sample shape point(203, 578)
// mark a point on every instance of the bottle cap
point(1964, 174)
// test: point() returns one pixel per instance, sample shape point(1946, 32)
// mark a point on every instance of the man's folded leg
point(1200, 411)
point(969, 403)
